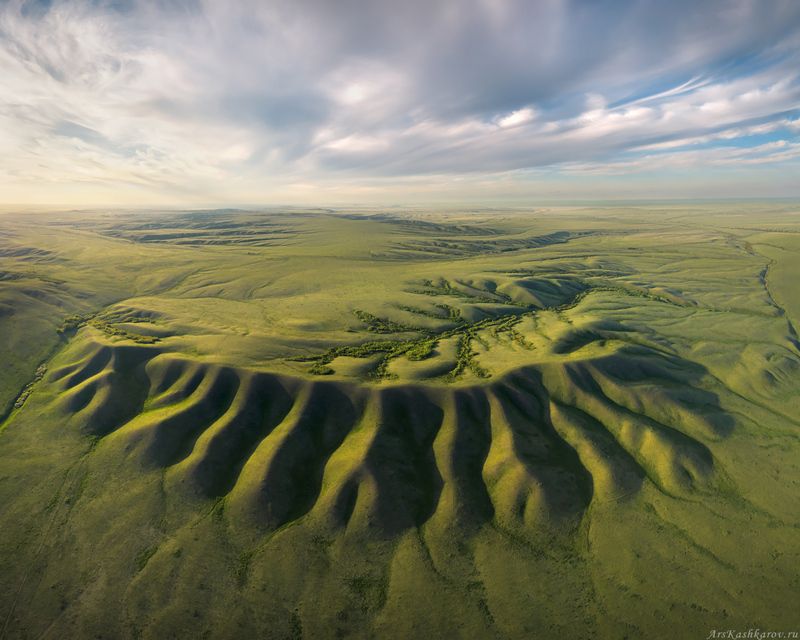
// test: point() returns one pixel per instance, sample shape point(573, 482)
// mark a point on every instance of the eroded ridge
point(527, 450)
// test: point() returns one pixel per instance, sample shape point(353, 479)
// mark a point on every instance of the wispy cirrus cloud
point(244, 100)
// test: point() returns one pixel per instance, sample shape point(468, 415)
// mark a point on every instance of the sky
point(212, 102)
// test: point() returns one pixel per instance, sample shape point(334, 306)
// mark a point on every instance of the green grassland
point(566, 422)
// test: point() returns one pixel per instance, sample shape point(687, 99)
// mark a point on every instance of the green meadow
point(568, 422)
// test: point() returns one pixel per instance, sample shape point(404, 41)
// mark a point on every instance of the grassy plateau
point(555, 423)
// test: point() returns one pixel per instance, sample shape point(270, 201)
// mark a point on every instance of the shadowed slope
point(530, 450)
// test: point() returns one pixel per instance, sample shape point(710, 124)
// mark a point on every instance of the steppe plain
point(566, 422)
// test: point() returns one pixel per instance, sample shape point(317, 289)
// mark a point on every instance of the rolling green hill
point(571, 422)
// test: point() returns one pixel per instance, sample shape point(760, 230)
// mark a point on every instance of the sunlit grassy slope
point(302, 424)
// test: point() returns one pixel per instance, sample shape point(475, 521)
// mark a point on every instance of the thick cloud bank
point(307, 99)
